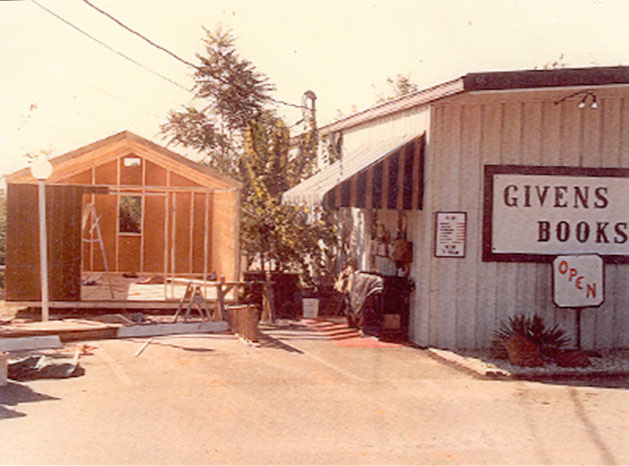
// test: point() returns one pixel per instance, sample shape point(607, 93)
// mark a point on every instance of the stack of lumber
point(66, 329)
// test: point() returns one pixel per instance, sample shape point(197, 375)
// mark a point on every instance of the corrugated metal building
point(440, 151)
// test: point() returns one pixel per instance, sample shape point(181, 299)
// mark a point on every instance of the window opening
point(132, 161)
point(130, 214)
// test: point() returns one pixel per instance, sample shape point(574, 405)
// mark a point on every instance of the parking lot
point(302, 397)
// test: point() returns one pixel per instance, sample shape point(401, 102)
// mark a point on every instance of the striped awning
point(385, 175)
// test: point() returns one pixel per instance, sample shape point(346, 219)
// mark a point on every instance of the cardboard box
point(391, 321)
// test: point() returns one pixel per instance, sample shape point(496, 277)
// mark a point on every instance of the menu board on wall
point(450, 232)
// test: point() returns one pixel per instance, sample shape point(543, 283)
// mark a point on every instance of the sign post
point(578, 283)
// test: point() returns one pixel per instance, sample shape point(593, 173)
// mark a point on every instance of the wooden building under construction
point(122, 206)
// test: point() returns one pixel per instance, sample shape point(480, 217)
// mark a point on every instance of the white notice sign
point(450, 234)
point(578, 281)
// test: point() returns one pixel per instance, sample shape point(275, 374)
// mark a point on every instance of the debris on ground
point(138, 318)
point(83, 349)
point(39, 366)
point(90, 282)
point(143, 347)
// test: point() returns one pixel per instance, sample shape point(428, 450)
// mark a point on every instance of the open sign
point(578, 281)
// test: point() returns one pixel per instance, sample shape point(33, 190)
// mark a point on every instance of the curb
point(473, 366)
point(480, 369)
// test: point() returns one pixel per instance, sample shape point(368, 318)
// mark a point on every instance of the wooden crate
point(243, 321)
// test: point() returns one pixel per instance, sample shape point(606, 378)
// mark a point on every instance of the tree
point(243, 138)
point(399, 86)
point(232, 93)
point(285, 236)
point(554, 65)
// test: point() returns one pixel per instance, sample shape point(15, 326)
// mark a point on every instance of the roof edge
point(534, 79)
point(488, 81)
point(404, 102)
point(20, 175)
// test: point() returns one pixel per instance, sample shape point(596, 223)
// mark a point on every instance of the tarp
point(364, 285)
point(43, 367)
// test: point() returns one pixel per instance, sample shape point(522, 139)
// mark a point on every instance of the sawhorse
point(194, 297)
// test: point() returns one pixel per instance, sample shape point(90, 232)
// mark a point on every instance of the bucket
point(311, 308)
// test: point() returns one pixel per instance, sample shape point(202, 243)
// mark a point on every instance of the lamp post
point(41, 169)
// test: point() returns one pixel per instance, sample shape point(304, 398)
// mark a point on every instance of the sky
point(61, 90)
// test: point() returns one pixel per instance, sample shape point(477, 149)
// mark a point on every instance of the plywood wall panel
point(129, 253)
point(198, 236)
point(154, 234)
point(107, 173)
point(182, 232)
point(131, 175)
point(22, 244)
point(180, 181)
point(225, 252)
point(85, 177)
point(155, 175)
point(106, 206)
point(63, 223)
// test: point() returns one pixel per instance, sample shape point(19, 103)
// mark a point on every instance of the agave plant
point(549, 340)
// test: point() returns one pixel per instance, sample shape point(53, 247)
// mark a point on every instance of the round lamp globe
point(41, 168)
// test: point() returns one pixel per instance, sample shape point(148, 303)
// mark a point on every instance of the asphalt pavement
point(303, 395)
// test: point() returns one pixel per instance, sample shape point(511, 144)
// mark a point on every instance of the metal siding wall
point(424, 329)
point(460, 302)
point(411, 122)
point(467, 280)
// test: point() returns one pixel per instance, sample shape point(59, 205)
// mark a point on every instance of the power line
point(133, 31)
point(174, 55)
point(126, 57)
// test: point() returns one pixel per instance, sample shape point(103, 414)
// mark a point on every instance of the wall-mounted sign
point(578, 281)
point(536, 213)
point(450, 231)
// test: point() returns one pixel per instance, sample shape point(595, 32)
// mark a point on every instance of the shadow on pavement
point(13, 394)
point(194, 349)
point(599, 381)
point(267, 341)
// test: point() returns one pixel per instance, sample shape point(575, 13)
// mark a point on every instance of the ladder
point(90, 211)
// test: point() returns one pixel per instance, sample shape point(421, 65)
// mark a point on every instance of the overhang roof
point(128, 143)
point(313, 190)
point(489, 81)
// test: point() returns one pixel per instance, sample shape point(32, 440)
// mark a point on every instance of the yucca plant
point(549, 340)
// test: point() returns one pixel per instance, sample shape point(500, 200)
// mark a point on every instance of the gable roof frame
point(124, 144)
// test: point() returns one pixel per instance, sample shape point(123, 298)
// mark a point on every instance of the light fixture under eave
point(594, 104)
point(583, 102)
